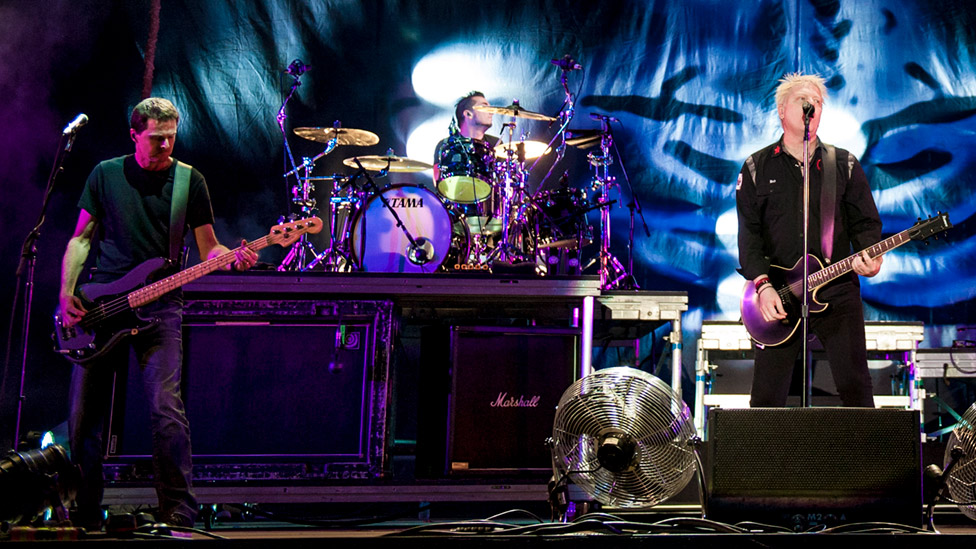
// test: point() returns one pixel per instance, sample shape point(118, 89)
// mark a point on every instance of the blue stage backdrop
point(691, 82)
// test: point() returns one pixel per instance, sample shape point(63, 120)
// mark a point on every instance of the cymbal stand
point(301, 195)
point(335, 258)
point(612, 272)
point(513, 187)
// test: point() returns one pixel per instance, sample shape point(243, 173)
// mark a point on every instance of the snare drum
point(466, 170)
point(438, 236)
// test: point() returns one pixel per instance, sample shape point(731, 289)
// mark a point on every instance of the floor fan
point(624, 437)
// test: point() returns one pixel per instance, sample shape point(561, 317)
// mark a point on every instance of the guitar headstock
point(925, 228)
point(286, 234)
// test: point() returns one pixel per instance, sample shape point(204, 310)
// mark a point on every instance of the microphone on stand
point(567, 63)
point(808, 110)
point(607, 117)
point(422, 252)
point(75, 124)
point(297, 68)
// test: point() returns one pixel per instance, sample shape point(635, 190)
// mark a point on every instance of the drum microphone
point(808, 110)
point(608, 118)
point(421, 251)
point(75, 124)
point(567, 63)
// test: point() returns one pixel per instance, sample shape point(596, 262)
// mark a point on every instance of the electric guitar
point(112, 307)
point(788, 283)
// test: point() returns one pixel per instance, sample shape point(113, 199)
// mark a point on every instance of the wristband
point(762, 281)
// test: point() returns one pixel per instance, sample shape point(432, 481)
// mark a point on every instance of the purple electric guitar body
point(789, 283)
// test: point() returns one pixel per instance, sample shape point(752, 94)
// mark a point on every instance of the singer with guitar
point(843, 220)
point(127, 207)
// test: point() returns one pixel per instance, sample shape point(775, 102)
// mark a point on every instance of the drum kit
point(478, 216)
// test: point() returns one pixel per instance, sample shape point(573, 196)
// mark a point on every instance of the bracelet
point(762, 281)
point(764, 286)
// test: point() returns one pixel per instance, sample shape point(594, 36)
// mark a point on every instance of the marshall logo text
point(505, 401)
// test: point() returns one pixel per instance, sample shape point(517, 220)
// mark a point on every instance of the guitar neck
point(152, 292)
point(846, 265)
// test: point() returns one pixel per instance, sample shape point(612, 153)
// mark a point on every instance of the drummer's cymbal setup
point(479, 216)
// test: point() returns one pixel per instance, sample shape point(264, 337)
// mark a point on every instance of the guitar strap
point(177, 214)
point(828, 201)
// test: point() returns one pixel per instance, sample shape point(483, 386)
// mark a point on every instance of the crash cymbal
point(583, 139)
point(343, 136)
point(515, 110)
point(400, 164)
point(533, 149)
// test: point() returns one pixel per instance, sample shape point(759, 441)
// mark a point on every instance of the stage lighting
point(33, 481)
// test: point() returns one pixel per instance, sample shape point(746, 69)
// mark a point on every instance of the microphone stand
point(28, 262)
point(630, 281)
point(807, 396)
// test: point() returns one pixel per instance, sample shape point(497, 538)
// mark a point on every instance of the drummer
point(471, 124)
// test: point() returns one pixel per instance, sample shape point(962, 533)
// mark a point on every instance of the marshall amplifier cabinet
point(504, 387)
point(274, 390)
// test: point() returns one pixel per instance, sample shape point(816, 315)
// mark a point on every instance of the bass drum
point(440, 239)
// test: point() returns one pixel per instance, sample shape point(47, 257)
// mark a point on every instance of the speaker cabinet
point(504, 387)
point(275, 390)
point(801, 467)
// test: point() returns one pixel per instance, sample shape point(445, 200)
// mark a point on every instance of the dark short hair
point(464, 104)
point(155, 108)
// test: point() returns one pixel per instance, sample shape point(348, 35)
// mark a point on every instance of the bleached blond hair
point(792, 80)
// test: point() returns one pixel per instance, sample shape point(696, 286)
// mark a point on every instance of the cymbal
point(343, 136)
point(400, 164)
point(515, 110)
point(533, 149)
point(583, 138)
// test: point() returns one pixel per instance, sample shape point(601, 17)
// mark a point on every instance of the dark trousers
point(160, 353)
point(840, 329)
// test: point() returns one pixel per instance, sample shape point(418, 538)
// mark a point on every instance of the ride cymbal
point(515, 110)
point(376, 163)
point(343, 136)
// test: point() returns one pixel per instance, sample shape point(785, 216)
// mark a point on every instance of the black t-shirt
point(132, 207)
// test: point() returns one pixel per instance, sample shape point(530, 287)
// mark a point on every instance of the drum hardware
point(511, 173)
point(613, 275)
point(335, 258)
point(302, 256)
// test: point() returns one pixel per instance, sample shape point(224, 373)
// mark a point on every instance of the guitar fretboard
point(846, 265)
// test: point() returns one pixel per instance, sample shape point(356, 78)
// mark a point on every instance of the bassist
point(126, 208)
point(769, 202)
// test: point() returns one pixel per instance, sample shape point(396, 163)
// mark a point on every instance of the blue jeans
point(160, 353)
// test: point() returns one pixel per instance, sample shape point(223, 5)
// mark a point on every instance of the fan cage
point(962, 479)
point(630, 401)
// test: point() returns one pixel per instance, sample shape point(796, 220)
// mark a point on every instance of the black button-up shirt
point(770, 210)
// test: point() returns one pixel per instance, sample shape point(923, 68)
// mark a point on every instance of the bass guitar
point(113, 307)
point(788, 283)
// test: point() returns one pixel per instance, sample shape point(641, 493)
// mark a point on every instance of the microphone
point(297, 68)
point(422, 252)
point(808, 110)
point(567, 63)
point(607, 117)
point(78, 122)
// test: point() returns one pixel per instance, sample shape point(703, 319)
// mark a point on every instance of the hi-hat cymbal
point(343, 136)
point(376, 163)
point(515, 110)
point(533, 149)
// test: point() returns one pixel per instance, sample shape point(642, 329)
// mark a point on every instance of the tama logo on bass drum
point(406, 202)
